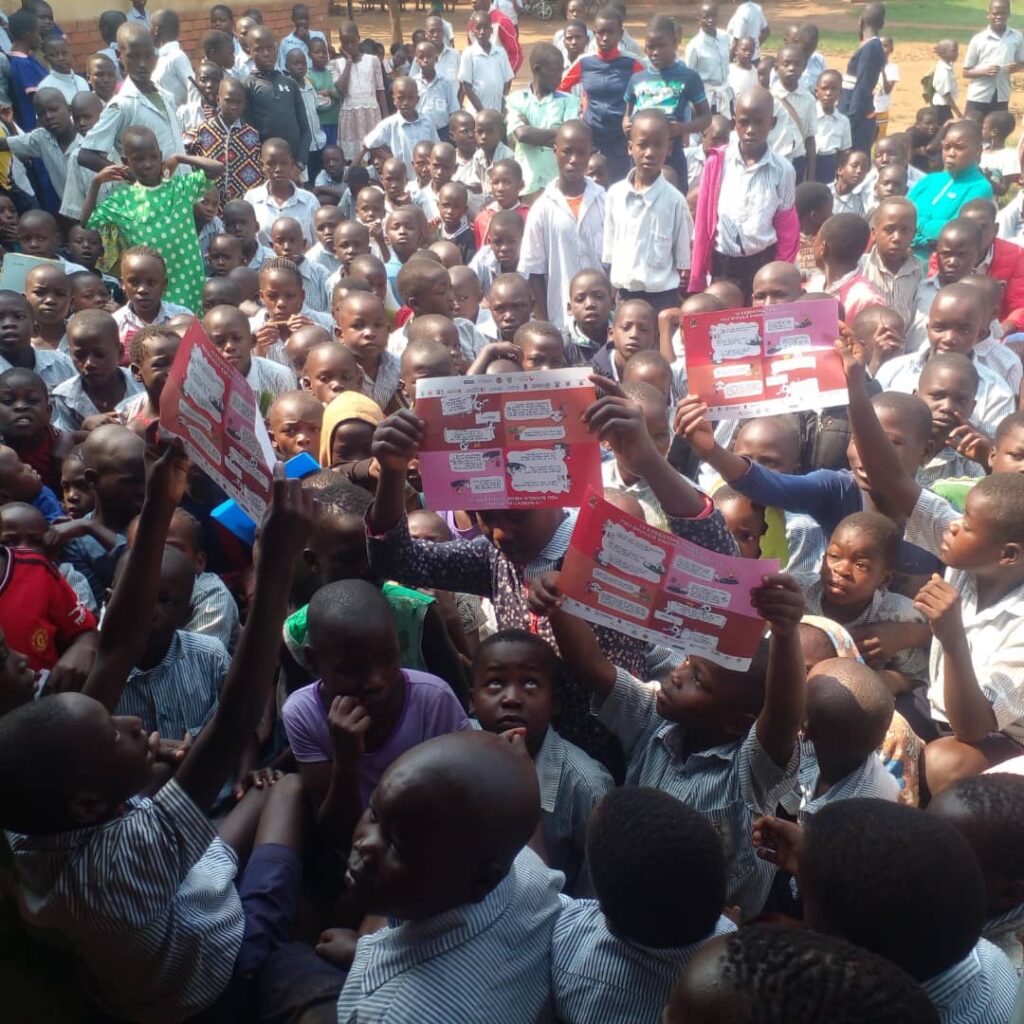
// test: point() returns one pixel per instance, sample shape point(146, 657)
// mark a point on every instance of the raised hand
point(396, 441)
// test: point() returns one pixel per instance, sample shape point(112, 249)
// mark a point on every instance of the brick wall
point(85, 39)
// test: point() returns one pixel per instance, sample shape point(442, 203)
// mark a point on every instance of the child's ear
point(200, 563)
point(1012, 554)
point(310, 558)
point(88, 808)
point(136, 371)
point(929, 452)
point(91, 477)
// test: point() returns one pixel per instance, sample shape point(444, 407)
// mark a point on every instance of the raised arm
point(254, 665)
point(213, 169)
point(577, 644)
point(109, 172)
point(781, 602)
point(890, 483)
point(126, 624)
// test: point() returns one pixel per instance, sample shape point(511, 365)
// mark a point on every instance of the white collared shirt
point(847, 202)
point(128, 321)
point(980, 989)
point(40, 143)
point(486, 73)
point(401, 136)
point(709, 57)
point(994, 402)
point(69, 85)
point(293, 42)
point(748, 20)
point(749, 199)
point(788, 137)
point(558, 246)
point(1003, 362)
point(173, 71)
point(833, 133)
point(127, 107)
point(300, 205)
point(985, 49)
point(447, 66)
point(52, 366)
point(71, 404)
point(943, 83)
point(646, 235)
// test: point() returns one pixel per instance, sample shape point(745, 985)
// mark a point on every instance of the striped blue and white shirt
point(487, 961)
point(572, 783)
point(214, 610)
point(869, 779)
point(147, 901)
point(1005, 930)
point(181, 694)
point(731, 784)
point(980, 989)
point(602, 978)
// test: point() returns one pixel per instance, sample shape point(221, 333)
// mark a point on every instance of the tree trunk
point(395, 11)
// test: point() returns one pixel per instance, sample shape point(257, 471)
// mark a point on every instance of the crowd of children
point(371, 767)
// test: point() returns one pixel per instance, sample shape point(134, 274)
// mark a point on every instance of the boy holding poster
point(692, 737)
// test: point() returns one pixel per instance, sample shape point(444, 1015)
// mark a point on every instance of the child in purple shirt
point(364, 710)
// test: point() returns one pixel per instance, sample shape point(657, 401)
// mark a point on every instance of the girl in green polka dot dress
point(155, 210)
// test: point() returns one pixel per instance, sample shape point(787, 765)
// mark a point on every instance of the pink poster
point(210, 406)
point(622, 573)
point(513, 440)
point(766, 360)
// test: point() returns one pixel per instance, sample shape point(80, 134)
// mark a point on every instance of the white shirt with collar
point(173, 71)
point(71, 404)
point(788, 137)
point(646, 235)
point(833, 133)
point(128, 321)
point(748, 20)
point(1004, 363)
point(128, 107)
point(69, 85)
point(980, 989)
point(558, 246)
point(709, 57)
point(994, 402)
point(986, 49)
point(52, 366)
point(749, 199)
point(42, 144)
point(300, 205)
point(293, 42)
point(486, 73)
point(447, 65)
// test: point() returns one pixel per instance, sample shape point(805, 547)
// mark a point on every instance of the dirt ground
point(915, 59)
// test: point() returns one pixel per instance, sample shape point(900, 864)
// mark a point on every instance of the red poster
point(622, 573)
point(766, 360)
point(512, 440)
point(210, 406)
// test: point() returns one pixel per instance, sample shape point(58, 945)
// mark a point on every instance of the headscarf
point(349, 405)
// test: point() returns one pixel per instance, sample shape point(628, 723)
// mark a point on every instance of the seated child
point(16, 348)
point(38, 235)
point(859, 564)
point(589, 316)
point(362, 327)
point(541, 345)
point(973, 684)
point(467, 805)
point(89, 291)
point(25, 425)
point(838, 248)
point(325, 223)
point(826, 979)
point(432, 339)
point(289, 243)
point(923, 136)
point(618, 474)
point(228, 328)
point(510, 303)
point(152, 353)
point(814, 202)
point(48, 291)
point(329, 185)
point(988, 811)
point(20, 482)
point(175, 683)
point(955, 322)
point(293, 423)
point(948, 385)
point(224, 254)
point(856, 859)
point(659, 873)
point(500, 253)
point(76, 494)
point(158, 843)
point(694, 738)
point(989, 350)
point(301, 342)
point(282, 292)
point(1000, 163)
point(144, 280)
point(516, 683)
point(744, 518)
point(364, 710)
point(505, 186)
point(240, 220)
point(634, 329)
point(826, 495)
point(217, 291)
point(101, 385)
point(847, 195)
point(330, 369)
point(467, 299)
